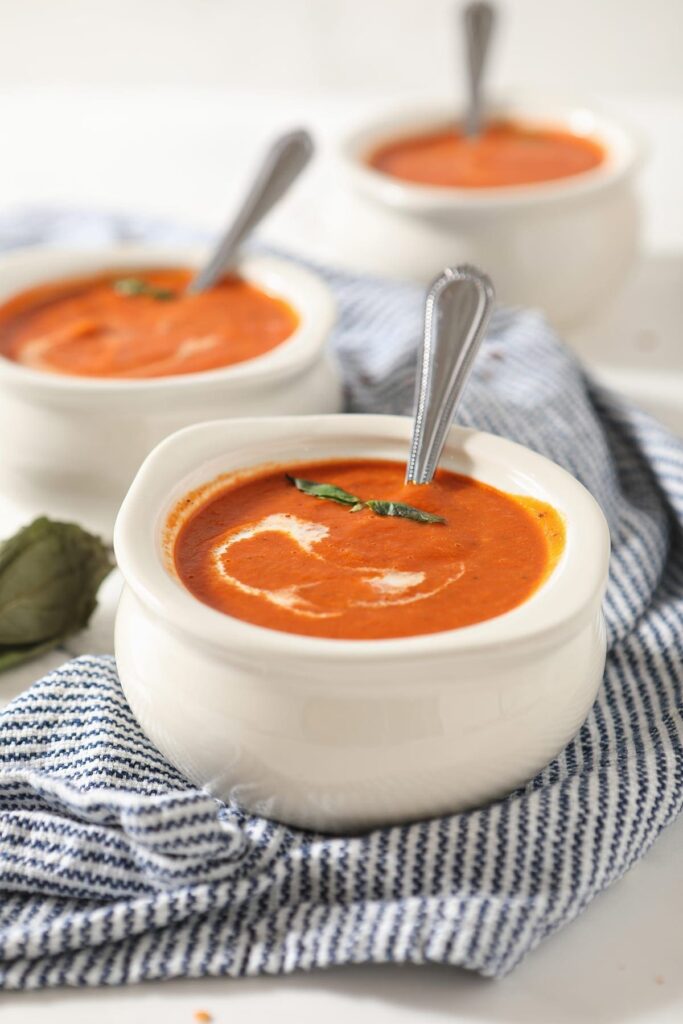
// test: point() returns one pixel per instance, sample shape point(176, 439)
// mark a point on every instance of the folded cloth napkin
point(114, 869)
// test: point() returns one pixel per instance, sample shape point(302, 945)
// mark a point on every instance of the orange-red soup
point(505, 153)
point(258, 549)
point(91, 327)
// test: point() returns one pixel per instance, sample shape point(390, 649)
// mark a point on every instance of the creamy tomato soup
point(141, 324)
point(260, 549)
point(505, 153)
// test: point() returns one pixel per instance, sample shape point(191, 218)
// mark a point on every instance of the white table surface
point(187, 156)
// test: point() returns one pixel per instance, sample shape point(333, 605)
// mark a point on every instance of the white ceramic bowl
point(70, 446)
point(564, 246)
point(347, 734)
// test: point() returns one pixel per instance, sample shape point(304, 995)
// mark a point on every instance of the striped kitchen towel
point(114, 869)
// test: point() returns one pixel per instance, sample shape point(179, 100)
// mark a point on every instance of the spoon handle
point(284, 162)
point(478, 18)
point(458, 307)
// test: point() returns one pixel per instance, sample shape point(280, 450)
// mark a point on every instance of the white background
point(332, 46)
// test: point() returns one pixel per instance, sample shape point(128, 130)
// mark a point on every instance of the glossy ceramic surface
point(70, 446)
point(565, 246)
point(339, 735)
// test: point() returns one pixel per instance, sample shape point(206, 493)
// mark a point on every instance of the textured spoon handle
point(478, 18)
point(284, 162)
point(458, 308)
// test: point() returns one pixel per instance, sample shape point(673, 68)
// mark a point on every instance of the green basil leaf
point(50, 573)
point(10, 657)
point(395, 508)
point(381, 508)
point(136, 286)
point(327, 491)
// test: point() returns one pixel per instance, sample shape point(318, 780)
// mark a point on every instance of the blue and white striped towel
point(114, 869)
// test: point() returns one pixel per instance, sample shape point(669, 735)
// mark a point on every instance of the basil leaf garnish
point(396, 508)
point(330, 492)
point(136, 286)
point(327, 491)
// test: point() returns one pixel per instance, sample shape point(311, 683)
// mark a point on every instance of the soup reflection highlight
point(259, 549)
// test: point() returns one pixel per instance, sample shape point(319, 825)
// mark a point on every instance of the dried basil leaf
point(50, 573)
point(10, 657)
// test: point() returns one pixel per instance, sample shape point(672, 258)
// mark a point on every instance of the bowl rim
point(625, 146)
point(561, 605)
point(309, 295)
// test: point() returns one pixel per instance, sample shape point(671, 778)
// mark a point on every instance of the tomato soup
point(141, 324)
point(505, 153)
point(260, 549)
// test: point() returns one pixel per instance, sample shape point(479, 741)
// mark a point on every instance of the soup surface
point(505, 153)
point(259, 549)
point(141, 324)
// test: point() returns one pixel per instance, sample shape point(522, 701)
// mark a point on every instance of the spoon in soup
point(478, 20)
point(284, 162)
point(457, 311)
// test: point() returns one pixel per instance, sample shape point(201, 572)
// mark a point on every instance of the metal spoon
point(478, 19)
point(284, 162)
point(458, 308)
